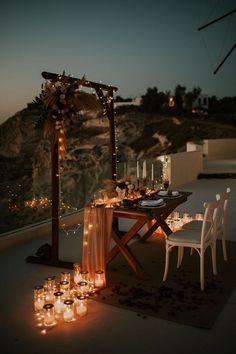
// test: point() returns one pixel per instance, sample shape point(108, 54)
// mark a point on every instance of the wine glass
point(166, 184)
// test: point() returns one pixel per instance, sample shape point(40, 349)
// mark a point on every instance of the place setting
point(169, 194)
point(151, 203)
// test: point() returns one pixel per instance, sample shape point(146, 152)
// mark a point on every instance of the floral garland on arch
point(62, 100)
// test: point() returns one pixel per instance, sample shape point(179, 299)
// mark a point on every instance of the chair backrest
point(210, 220)
point(224, 197)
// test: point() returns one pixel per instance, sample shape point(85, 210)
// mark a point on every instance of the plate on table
point(151, 203)
point(171, 195)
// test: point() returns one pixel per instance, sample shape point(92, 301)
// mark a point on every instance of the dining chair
point(196, 239)
point(221, 230)
point(222, 215)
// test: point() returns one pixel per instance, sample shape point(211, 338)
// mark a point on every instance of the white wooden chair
point(221, 230)
point(196, 239)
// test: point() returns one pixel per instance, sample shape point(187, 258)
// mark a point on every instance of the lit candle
point(50, 283)
point(38, 297)
point(49, 318)
point(76, 273)
point(49, 296)
point(137, 169)
point(65, 276)
point(65, 288)
point(84, 273)
point(99, 279)
point(199, 216)
point(152, 172)
point(68, 314)
point(59, 305)
point(185, 217)
point(77, 278)
point(38, 304)
point(83, 288)
point(144, 169)
point(81, 306)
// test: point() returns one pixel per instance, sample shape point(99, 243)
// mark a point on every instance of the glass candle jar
point(50, 283)
point(99, 281)
point(84, 275)
point(198, 216)
point(59, 303)
point(68, 314)
point(176, 215)
point(65, 288)
point(83, 288)
point(65, 276)
point(49, 316)
point(185, 218)
point(39, 300)
point(50, 288)
point(76, 273)
point(81, 306)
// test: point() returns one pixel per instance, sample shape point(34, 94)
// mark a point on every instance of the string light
point(71, 231)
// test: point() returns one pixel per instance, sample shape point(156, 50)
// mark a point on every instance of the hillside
point(25, 156)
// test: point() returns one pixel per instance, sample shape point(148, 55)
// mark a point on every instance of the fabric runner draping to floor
point(96, 239)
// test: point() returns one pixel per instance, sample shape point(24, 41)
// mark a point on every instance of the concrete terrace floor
point(106, 329)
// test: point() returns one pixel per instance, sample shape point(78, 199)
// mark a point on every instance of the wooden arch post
point(52, 257)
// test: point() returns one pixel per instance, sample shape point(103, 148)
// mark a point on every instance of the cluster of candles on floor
point(67, 299)
point(176, 221)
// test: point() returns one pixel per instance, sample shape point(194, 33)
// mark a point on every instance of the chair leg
point(224, 245)
point(167, 263)
point(213, 257)
point(202, 270)
point(180, 256)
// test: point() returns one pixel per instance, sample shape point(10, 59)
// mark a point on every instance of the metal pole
point(227, 55)
point(217, 19)
point(112, 135)
point(55, 202)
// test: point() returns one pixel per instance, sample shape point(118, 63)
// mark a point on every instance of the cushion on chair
point(193, 225)
point(187, 236)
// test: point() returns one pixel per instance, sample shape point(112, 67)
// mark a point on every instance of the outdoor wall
point(219, 148)
point(191, 146)
point(184, 167)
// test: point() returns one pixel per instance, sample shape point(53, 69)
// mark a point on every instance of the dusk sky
point(130, 44)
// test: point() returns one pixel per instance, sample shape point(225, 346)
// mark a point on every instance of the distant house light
point(171, 101)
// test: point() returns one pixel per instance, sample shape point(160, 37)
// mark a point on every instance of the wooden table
point(154, 218)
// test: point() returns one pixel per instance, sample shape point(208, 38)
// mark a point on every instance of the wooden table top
point(134, 212)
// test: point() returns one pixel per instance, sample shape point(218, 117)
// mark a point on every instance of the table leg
point(150, 231)
point(125, 238)
point(159, 222)
point(124, 249)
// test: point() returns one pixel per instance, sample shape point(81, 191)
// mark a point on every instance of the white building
point(136, 101)
point(201, 103)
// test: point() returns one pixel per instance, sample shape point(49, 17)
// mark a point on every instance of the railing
point(25, 207)
point(22, 207)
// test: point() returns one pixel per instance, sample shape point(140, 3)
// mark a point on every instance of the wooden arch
point(51, 256)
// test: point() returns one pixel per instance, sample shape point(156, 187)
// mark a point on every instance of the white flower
point(57, 84)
